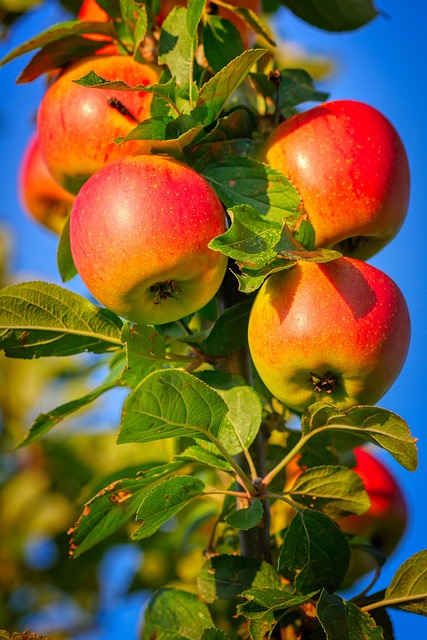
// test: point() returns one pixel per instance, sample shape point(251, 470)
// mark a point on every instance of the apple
point(139, 234)
point(337, 332)
point(91, 11)
point(77, 125)
point(246, 33)
point(350, 167)
point(41, 196)
point(385, 522)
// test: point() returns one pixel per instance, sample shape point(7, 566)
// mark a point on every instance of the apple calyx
point(164, 290)
point(326, 383)
point(121, 108)
point(350, 245)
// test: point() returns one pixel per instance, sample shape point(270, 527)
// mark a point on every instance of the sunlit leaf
point(173, 614)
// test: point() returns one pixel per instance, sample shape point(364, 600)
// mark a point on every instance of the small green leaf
point(222, 42)
point(40, 319)
point(164, 501)
point(289, 248)
point(215, 634)
point(291, 88)
point(112, 507)
point(332, 614)
point(134, 16)
point(64, 258)
point(245, 181)
point(168, 404)
point(315, 552)
point(246, 519)
point(361, 625)
point(334, 15)
point(334, 490)
point(173, 614)
point(408, 589)
point(373, 424)
point(260, 601)
point(196, 453)
point(145, 352)
point(215, 93)
point(227, 576)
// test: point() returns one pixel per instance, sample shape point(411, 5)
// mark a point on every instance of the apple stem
point(275, 77)
point(121, 108)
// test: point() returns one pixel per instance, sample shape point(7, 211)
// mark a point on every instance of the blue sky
point(383, 64)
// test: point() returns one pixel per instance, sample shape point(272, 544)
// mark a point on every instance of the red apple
point(77, 125)
point(92, 12)
point(41, 196)
point(139, 234)
point(337, 332)
point(350, 167)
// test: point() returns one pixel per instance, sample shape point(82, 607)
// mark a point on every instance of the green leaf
point(289, 248)
point(332, 614)
point(373, 424)
point(227, 576)
point(222, 41)
point(215, 634)
point(227, 334)
point(245, 181)
point(215, 94)
point(112, 507)
point(134, 16)
point(196, 453)
point(290, 88)
point(361, 625)
point(315, 552)
point(168, 404)
point(334, 490)
point(334, 15)
point(64, 258)
point(408, 589)
point(46, 421)
point(164, 501)
point(173, 614)
point(58, 32)
point(246, 519)
point(145, 352)
point(243, 420)
point(259, 602)
point(39, 319)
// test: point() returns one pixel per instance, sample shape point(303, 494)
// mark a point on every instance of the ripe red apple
point(77, 125)
point(92, 12)
point(350, 167)
point(139, 232)
point(246, 33)
point(337, 332)
point(41, 196)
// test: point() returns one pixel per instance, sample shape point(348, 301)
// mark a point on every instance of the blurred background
point(100, 596)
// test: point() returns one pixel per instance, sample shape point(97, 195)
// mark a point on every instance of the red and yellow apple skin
point(77, 125)
point(91, 11)
point(350, 167)
point(139, 234)
point(246, 33)
point(41, 196)
point(337, 332)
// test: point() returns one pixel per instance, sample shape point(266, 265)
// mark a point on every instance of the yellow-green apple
point(41, 196)
point(91, 11)
point(246, 33)
point(337, 332)
point(350, 167)
point(77, 125)
point(139, 234)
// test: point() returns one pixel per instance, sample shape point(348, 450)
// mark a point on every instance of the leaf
point(227, 576)
point(112, 507)
point(215, 634)
point(243, 420)
point(57, 32)
point(222, 42)
point(334, 490)
point(332, 614)
point(39, 319)
point(408, 588)
point(289, 248)
point(245, 181)
point(173, 614)
point(64, 258)
point(215, 93)
point(196, 453)
point(334, 15)
point(134, 16)
point(47, 421)
point(246, 519)
point(315, 552)
point(145, 352)
point(259, 601)
point(168, 404)
point(361, 626)
point(290, 87)
point(164, 501)
point(373, 424)
point(227, 334)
